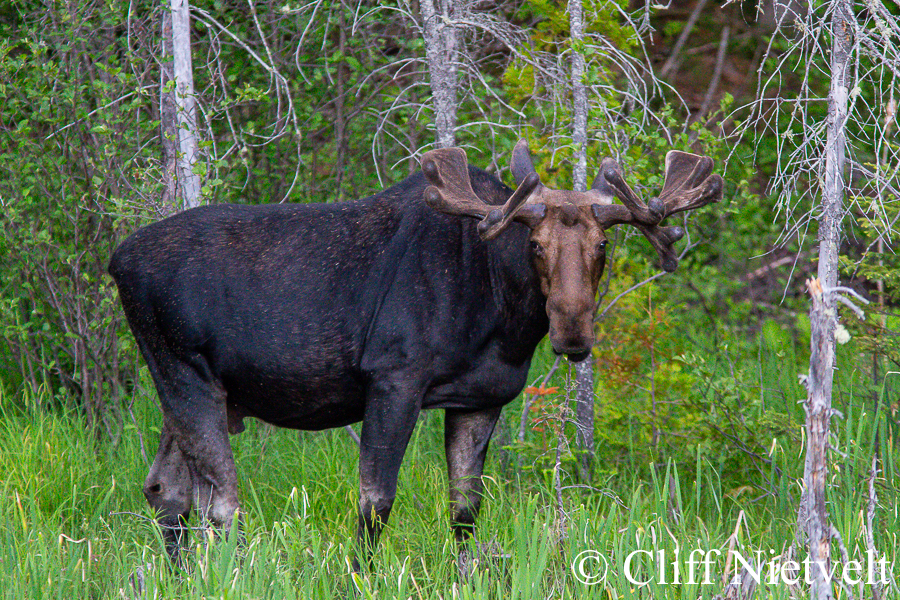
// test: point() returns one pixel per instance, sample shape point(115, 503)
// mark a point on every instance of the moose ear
point(520, 164)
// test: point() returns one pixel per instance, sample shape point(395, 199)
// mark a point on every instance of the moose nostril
point(155, 489)
point(579, 356)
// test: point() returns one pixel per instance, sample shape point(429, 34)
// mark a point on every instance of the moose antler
point(451, 192)
point(688, 185)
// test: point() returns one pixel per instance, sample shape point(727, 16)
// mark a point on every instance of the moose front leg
point(466, 439)
point(391, 412)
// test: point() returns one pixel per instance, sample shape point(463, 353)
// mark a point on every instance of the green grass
point(74, 524)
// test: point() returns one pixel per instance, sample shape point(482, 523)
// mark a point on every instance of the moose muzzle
point(571, 325)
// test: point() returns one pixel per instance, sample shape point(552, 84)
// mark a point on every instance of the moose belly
point(310, 401)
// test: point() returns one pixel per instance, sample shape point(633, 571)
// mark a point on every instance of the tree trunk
point(442, 55)
point(835, 150)
point(584, 372)
point(823, 316)
point(818, 408)
point(579, 96)
point(168, 119)
point(584, 414)
point(188, 149)
point(340, 113)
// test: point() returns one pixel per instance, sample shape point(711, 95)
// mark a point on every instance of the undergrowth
point(74, 524)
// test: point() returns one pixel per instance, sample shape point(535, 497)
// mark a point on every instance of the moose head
point(568, 239)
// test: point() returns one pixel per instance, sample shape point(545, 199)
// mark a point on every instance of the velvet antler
point(688, 185)
point(451, 192)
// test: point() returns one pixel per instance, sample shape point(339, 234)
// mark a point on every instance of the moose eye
point(601, 247)
point(537, 248)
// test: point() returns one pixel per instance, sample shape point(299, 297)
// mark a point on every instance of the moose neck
point(517, 290)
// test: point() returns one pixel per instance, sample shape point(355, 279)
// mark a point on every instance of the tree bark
point(442, 55)
point(818, 409)
point(579, 96)
point(584, 371)
point(835, 150)
point(823, 316)
point(168, 119)
point(186, 111)
point(340, 113)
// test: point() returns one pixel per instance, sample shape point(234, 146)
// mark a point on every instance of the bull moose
point(320, 315)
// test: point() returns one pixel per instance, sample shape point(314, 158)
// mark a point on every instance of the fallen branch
point(672, 62)
point(717, 74)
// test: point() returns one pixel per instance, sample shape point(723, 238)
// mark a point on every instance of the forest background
point(699, 412)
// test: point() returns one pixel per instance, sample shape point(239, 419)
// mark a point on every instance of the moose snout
point(574, 356)
point(571, 331)
point(576, 350)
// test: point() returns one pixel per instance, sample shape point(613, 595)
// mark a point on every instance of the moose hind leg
point(466, 439)
point(195, 430)
point(194, 404)
point(204, 441)
point(169, 490)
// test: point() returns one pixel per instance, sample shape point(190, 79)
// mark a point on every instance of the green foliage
point(672, 389)
point(547, 103)
point(600, 17)
point(69, 180)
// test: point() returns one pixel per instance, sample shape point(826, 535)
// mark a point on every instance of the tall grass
point(73, 522)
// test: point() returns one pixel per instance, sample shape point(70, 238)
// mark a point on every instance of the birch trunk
point(340, 113)
point(186, 112)
point(823, 316)
point(584, 372)
point(442, 56)
point(579, 96)
point(168, 120)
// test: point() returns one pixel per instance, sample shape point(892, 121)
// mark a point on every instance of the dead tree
point(812, 182)
point(185, 111)
point(584, 370)
point(442, 56)
point(823, 317)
